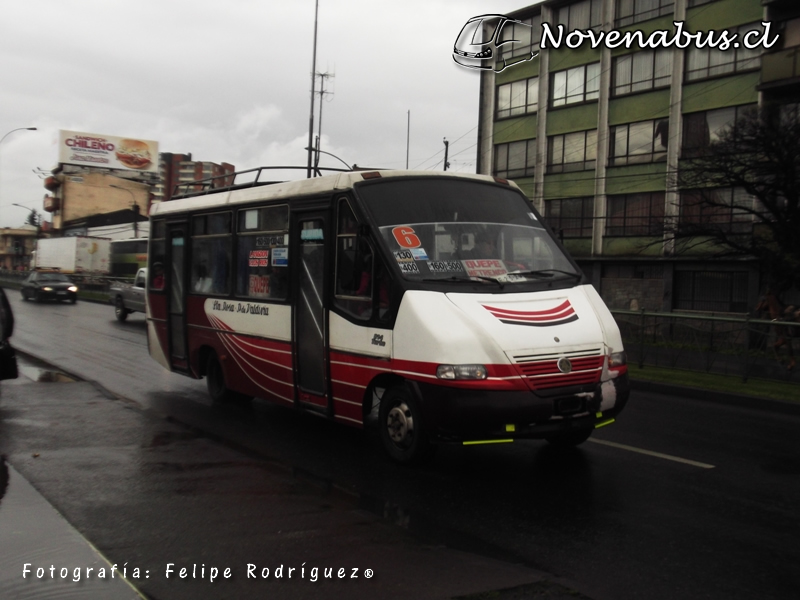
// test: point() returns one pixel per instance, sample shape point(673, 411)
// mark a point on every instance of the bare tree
point(740, 195)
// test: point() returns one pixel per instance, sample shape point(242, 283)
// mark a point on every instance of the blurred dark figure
point(8, 358)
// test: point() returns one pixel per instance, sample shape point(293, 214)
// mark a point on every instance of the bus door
point(176, 298)
point(310, 328)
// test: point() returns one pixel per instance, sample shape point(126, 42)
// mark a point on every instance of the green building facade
point(595, 136)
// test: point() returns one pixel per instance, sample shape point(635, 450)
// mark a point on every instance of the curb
point(717, 397)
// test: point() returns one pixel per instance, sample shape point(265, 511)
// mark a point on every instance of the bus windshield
point(460, 230)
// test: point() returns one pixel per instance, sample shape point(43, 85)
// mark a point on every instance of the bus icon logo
point(478, 46)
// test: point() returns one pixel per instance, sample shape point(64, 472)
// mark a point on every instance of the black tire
point(24, 295)
point(215, 383)
point(119, 309)
point(73, 300)
point(569, 439)
point(401, 427)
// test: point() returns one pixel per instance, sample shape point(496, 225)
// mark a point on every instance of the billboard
point(107, 151)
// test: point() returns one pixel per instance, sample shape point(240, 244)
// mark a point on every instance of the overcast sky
point(230, 82)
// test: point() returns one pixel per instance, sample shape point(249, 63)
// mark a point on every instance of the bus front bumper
point(453, 414)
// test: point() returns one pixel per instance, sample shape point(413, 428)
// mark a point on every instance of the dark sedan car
point(49, 286)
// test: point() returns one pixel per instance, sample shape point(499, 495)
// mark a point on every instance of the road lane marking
point(678, 459)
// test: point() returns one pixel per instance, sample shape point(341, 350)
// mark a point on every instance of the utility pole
point(446, 148)
point(313, 82)
point(408, 137)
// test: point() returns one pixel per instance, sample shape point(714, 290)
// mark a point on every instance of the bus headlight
point(617, 359)
point(461, 372)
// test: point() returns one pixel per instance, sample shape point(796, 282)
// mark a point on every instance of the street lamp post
point(13, 130)
point(38, 227)
point(318, 151)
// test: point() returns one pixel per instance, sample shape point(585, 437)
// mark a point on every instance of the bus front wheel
point(401, 427)
point(215, 382)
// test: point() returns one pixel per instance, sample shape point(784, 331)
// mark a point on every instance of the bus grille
point(541, 371)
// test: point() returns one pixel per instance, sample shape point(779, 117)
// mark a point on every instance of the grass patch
point(758, 388)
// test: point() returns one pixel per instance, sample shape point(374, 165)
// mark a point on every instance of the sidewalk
point(34, 534)
point(148, 493)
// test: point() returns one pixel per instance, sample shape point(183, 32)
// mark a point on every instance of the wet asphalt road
point(679, 499)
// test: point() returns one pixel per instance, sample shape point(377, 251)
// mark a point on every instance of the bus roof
point(289, 189)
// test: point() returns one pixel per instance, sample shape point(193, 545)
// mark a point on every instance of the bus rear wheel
point(215, 382)
point(402, 431)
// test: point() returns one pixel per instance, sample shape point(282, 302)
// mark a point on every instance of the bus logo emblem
point(558, 315)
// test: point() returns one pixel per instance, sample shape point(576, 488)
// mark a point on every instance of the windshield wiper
point(546, 273)
point(470, 279)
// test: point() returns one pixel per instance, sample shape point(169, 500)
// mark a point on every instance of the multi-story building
point(595, 136)
point(16, 245)
point(177, 169)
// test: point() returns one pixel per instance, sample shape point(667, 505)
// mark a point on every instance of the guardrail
point(728, 345)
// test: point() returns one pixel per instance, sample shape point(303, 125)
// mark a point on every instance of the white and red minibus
point(437, 306)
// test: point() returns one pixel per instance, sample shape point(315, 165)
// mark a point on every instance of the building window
point(636, 11)
point(710, 62)
point(642, 71)
point(570, 217)
point(635, 214)
point(700, 129)
point(693, 3)
point(518, 98)
point(729, 210)
point(525, 36)
point(578, 84)
point(572, 151)
point(639, 142)
point(515, 159)
point(711, 291)
point(587, 14)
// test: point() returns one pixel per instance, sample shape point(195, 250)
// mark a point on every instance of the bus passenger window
point(211, 255)
point(262, 253)
point(157, 254)
point(354, 266)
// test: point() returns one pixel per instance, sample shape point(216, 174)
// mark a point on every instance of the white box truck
point(74, 254)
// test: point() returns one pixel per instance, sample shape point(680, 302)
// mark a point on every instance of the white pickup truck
point(128, 298)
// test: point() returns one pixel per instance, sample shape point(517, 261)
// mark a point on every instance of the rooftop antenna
point(322, 92)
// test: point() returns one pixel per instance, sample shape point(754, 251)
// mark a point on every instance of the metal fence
point(727, 345)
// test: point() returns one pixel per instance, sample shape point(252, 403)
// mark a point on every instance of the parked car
point(49, 286)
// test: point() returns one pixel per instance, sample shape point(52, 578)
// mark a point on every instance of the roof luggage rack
point(222, 183)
